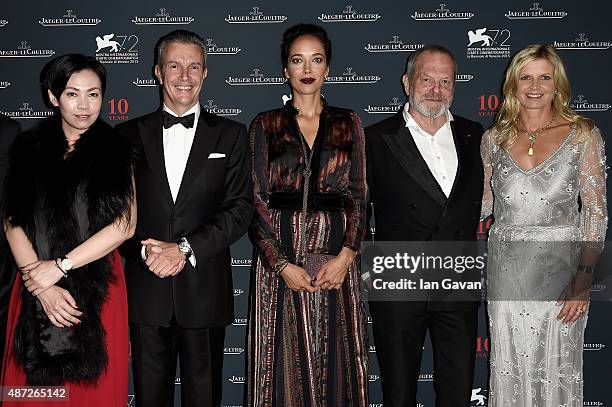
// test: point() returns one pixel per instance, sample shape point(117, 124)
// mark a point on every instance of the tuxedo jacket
point(408, 203)
point(213, 209)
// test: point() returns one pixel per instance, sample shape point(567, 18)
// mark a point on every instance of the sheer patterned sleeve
point(486, 145)
point(356, 195)
point(261, 229)
point(592, 182)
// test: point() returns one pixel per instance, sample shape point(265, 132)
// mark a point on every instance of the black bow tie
point(169, 120)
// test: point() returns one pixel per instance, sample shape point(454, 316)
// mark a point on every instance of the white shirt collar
point(410, 122)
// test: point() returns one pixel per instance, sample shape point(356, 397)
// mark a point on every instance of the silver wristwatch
point(66, 264)
point(184, 247)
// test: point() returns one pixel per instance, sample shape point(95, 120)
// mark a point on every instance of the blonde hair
point(507, 119)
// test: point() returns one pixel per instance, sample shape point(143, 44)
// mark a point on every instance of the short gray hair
point(434, 48)
point(182, 36)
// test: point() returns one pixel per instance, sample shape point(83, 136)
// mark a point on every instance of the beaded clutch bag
point(314, 262)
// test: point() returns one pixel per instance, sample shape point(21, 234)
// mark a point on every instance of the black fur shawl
point(60, 202)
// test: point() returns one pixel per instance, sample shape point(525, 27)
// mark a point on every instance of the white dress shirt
point(177, 142)
point(177, 145)
point(438, 150)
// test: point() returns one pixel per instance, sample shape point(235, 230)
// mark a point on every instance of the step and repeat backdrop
point(371, 41)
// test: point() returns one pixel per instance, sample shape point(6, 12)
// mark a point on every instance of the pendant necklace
point(534, 136)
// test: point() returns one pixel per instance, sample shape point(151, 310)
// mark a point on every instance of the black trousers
point(399, 333)
point(154, 353)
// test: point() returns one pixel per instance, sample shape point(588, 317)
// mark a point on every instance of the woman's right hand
point(60, 307)
point(297, 279)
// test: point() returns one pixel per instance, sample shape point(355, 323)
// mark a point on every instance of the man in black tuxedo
point(192, 175)
point(426, 179)
point(9, 130)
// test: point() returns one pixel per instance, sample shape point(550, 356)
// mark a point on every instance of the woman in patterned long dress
point(541, 158)
point(307, 342)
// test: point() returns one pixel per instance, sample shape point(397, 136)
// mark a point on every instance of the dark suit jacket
point(212, 210)
point(409, 204)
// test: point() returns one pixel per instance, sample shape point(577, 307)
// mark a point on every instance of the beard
point(427, 111)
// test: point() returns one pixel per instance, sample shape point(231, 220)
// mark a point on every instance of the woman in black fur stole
point(69, 203)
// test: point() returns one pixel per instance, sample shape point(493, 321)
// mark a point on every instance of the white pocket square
point(216, 155)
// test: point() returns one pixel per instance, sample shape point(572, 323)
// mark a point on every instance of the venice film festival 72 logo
point(163, 18)
point(24, 50)
point(535, 12)
point(488, 43)
point(395, 45)
point(117, 49)
point(256, 16)
point(255, 78)
point(348, 15)
point(441, 13)
point(67, 20)
point(582, 42)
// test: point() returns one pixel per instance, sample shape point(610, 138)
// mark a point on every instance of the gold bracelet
point(279, 266)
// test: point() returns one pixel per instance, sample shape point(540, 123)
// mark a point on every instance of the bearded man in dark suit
point(425, 178)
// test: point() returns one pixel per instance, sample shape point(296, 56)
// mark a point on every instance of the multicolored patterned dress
point(306, 349)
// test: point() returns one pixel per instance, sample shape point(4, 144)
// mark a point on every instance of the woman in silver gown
point(545, 186)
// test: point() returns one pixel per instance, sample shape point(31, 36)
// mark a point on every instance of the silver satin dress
point(534, 248)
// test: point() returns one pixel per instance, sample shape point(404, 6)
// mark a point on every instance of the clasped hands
point(330, 277)
point(163, 258)
point(40, 275)
point(40, 278)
